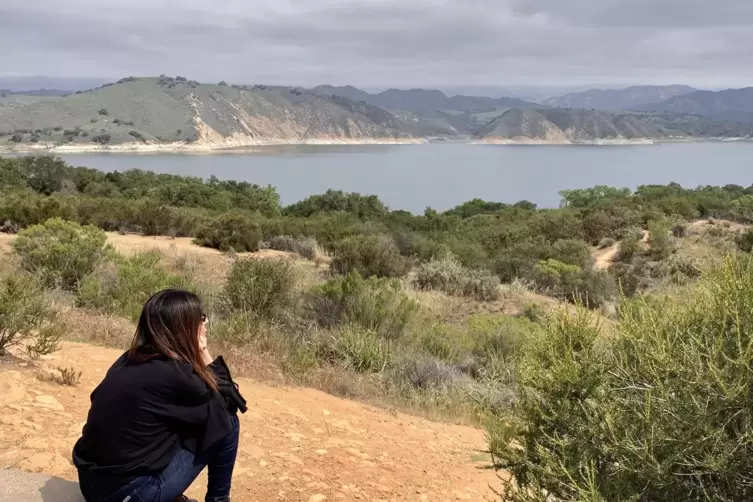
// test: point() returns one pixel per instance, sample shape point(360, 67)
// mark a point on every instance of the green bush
point(25, 317)
point(661, 410)
point(370, 255)
point(123, 286)
point(448, 275)
point(377, 304)
point(362, 350)
point(61, 252)
point(261, 287)
point(231, 231)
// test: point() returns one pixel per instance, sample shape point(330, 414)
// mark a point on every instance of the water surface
point(442, 175)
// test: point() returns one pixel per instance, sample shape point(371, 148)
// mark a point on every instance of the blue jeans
point(177, 476)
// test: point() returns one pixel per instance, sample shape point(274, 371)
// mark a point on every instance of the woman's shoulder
point(164, 376)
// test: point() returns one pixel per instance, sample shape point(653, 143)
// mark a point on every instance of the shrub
point(661, 410)
point(231, 231)
point(629, 247)
point(61, 252)
point(744, 241)
point(574, 284)
point(362, 350)
point(307, 247)
point(659, 239)
point(372, 255)
point(377, 304)
point(422, 372)
point(448, 275)
point(102, 139)
point(16, 138)
point(25, 317)
point(103, 111)
point(68, 376)
point(261, 287)
point(136, 134)
point(122, 287)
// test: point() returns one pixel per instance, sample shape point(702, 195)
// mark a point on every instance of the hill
point(423, 99)
point(33, 92)
point(560, 125)
point(176, 109)
point(730, 104)
point(618, 99)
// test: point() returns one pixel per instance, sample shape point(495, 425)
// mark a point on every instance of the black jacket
point(142, 413)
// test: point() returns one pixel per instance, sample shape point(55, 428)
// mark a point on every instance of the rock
point(50, 402)
point(317, 498)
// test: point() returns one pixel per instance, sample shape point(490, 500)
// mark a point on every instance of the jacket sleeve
point(228, 389)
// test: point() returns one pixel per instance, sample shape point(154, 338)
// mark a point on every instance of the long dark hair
point(169, 326)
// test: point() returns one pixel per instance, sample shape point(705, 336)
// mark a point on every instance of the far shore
point(231, 145)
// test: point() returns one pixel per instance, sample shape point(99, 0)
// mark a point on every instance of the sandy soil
point(134, 243)
point(297, 444)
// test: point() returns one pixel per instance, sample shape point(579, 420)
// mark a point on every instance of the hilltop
point(618, 99)
point(730, 104)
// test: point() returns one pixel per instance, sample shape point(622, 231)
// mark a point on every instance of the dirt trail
point(296, 444)
point(134, 243)
point(603, 258)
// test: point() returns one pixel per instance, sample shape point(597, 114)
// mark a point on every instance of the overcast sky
point(377, 43)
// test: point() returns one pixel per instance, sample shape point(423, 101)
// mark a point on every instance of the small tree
point(61, 252)
point(25, 317)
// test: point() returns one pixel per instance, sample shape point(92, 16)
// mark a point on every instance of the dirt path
point(296, 443)
point(603, 258)
point(134, 243)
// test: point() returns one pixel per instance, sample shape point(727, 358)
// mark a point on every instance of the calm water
point(442, 175)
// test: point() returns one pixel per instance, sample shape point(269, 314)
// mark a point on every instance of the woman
point(164, 411)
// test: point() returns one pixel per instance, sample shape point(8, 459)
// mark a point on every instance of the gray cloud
point(385, 42)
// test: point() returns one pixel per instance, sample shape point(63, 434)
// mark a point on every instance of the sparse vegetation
point(61, 253)
point(68, 376)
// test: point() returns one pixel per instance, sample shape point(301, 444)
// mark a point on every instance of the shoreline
point(234, 146)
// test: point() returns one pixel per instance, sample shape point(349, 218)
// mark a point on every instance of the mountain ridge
point(155, 113)
point(618, 99)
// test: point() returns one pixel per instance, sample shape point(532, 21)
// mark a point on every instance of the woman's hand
point(206, 357)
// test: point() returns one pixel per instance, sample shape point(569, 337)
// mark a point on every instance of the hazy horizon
point(386, 43)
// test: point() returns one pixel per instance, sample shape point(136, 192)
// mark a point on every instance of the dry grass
point(98, 329)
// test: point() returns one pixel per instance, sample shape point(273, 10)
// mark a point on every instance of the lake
point(442, 175)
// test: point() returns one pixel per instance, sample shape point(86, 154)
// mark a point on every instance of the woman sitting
point(164, 411)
